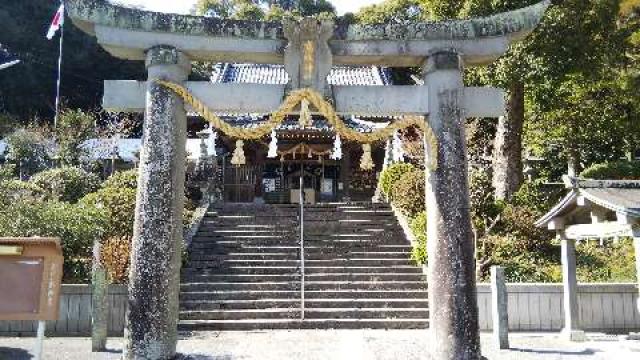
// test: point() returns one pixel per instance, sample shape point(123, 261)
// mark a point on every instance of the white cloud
point(185, 6)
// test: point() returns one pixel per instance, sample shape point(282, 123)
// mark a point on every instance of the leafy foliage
point(67, 184)
point(28, 150)
point(78, 226)
point(258, 10)
point(418, 227)
point(122, 179)
point(408, 194)
point(73, 128)
point(617, 170)
point(390, 176)
point(119, 205)
point(27, 89)
point(595, 263)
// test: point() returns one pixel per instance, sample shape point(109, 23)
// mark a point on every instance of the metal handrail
point(301, 246)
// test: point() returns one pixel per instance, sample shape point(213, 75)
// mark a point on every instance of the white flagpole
point(55, 119)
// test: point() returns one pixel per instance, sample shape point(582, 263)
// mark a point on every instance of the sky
point(184, 6)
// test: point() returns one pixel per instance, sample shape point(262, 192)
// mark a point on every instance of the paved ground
point(333, 345)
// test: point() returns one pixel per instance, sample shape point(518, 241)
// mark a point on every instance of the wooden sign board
point(30, 278)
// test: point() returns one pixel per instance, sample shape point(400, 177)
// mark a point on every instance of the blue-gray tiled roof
point(276, 75)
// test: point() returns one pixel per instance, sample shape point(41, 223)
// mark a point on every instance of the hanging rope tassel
point(273, 146)
point(366, 162)
point(238, 154)
point(336, 154)
point(305, 114)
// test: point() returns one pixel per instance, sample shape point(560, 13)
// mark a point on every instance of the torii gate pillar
point(453, 307)
point(154, 277)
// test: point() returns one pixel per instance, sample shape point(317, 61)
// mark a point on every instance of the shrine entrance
point(309, 49)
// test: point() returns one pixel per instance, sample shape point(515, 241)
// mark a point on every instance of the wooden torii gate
point(308, 49)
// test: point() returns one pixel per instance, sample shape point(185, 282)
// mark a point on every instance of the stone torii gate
point(309, 48)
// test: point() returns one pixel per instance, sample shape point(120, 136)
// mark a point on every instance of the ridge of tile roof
point(270, 74)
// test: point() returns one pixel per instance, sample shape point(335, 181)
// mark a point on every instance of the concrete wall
point(538, 307)
point(532, 307)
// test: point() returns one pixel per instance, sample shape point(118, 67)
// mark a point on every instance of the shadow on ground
point(558, 352)
point(203, 357)
point(14, 354)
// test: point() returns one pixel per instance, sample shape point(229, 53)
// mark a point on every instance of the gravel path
point(334, 345)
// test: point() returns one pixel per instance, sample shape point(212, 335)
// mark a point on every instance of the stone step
point(269, 324)
point(199, 276)
point(309, 285)
point(223, 269)
point(318, 313)
point(309, 249)
point(194, 305)
point(295, 294)
point(335, 262)
point(294, 255)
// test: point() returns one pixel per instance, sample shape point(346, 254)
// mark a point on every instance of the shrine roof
point(621, 197)
point(270, 74)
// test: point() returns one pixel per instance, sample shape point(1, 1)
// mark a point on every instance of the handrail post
point(301, 243)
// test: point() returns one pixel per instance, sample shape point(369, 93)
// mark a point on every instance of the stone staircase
point(244, 270)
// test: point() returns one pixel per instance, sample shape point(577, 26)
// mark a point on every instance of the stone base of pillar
point(633, 336)
point(574, 335)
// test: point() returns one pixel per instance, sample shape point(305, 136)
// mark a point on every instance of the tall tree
point(28, 89)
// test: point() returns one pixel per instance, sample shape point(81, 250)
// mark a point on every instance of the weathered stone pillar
point(154, 279)
point(452, 284)
point(99, 303)
point(636, 246)
point(499, 307)
point(570, 288)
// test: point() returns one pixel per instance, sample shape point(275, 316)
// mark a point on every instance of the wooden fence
point(532, 307)
point(75, 314)
point(538, 307)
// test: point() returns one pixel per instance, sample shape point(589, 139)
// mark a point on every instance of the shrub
point(391, 175)
point(122, 179)
point(119, 205)
point(408, 193)
point(28, 150)
point(115, 256)
point(418, 227)
point(520, 265)
point(73, 128)
point(16, 190)
point(68, 184)
point(538, 196)
point(78, 226)
point(611, 263)
point(618, 170)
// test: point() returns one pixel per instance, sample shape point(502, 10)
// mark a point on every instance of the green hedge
point(391, 175)
point(119, 205)
point(122, 179)
point(418, 227)
point(68, 184)
point(408, 193)
point(618, 170)
point(77, 225)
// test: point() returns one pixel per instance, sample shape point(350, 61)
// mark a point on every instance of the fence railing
point(539, 307)
point(532, 307)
